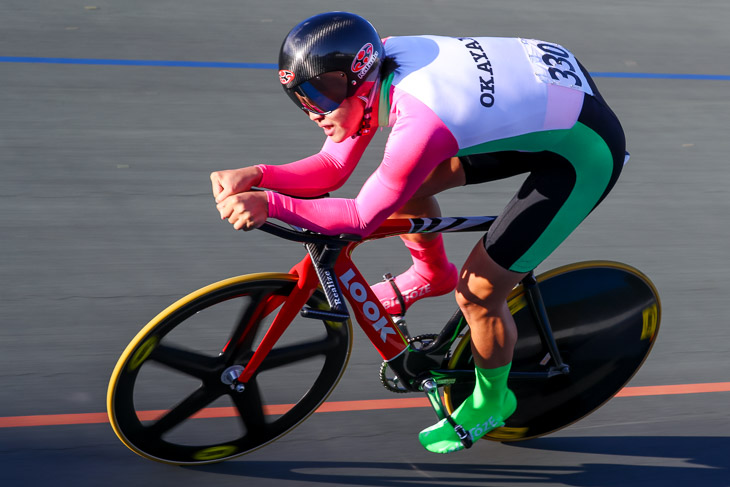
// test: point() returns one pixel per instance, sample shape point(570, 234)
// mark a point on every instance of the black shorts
point(565, 183)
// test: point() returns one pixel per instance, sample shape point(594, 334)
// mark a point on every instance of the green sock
point(486, 409)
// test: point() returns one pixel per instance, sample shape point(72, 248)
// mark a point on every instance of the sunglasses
point(322, 94)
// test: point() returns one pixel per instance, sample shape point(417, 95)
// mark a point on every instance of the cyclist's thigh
point(492, 166)
point(517, 240)
point(564, 185)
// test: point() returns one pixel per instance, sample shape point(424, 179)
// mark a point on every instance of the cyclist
point(463, 111)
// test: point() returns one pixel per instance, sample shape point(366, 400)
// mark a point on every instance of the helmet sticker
point(364, 60)
point(285, 76)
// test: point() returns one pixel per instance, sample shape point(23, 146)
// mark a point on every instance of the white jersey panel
point(482, 88)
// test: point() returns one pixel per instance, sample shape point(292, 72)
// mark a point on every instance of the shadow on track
point(706, 463)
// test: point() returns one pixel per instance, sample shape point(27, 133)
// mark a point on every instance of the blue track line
point(702, 77)
point(135, 62)
point(201, 64)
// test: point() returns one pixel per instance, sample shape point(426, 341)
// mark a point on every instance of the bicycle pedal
point(464, 436)
point(430, 387)
point(400, 322)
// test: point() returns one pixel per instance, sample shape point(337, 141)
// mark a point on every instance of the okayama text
point(486, 86)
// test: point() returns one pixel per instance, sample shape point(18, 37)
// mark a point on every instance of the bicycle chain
point(392, 383)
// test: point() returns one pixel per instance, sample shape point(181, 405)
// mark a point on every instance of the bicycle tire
point(605, 317)
point(177, 351)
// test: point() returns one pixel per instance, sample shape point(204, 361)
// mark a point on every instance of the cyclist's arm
point(318, 174)
point(418, 142)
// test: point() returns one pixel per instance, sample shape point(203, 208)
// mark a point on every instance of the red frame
point(369, 313)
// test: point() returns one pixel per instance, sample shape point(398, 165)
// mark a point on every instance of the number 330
point(556, 56)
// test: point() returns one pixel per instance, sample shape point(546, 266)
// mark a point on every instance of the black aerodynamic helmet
point(327, 58)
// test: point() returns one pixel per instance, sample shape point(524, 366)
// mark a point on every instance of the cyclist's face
point(343, 122)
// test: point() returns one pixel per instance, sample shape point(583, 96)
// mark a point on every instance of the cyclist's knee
point(469, 308)
point(477, 304)
point(419, 206)
point(449, 174)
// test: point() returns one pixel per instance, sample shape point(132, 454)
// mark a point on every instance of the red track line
point(328, 407)
point(678, 389)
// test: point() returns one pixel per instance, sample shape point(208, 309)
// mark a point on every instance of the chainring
point(392, 383)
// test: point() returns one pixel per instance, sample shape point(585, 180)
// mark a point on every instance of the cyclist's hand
point(245, 211)
point(234, 181)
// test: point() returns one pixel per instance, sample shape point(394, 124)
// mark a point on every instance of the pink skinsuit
point(448, 96)
point(418, 142)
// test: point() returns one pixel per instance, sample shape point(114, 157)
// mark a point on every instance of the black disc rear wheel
point(604, 316)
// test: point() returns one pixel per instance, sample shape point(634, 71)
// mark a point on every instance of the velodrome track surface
point(106, 217)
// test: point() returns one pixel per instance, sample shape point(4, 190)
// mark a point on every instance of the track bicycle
point(223, 351)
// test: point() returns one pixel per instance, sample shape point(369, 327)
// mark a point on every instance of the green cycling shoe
point(486, 409)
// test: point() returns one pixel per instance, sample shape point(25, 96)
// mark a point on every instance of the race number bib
point(555, 65)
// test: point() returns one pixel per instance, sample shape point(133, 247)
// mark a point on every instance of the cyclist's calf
point(482, 294)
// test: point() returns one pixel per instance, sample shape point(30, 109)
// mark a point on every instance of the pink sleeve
point(317, 174)
point(418, 142)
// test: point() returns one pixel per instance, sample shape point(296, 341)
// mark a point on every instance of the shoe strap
point(389, 278)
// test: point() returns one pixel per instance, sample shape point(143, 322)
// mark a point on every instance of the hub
point(230, 377)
